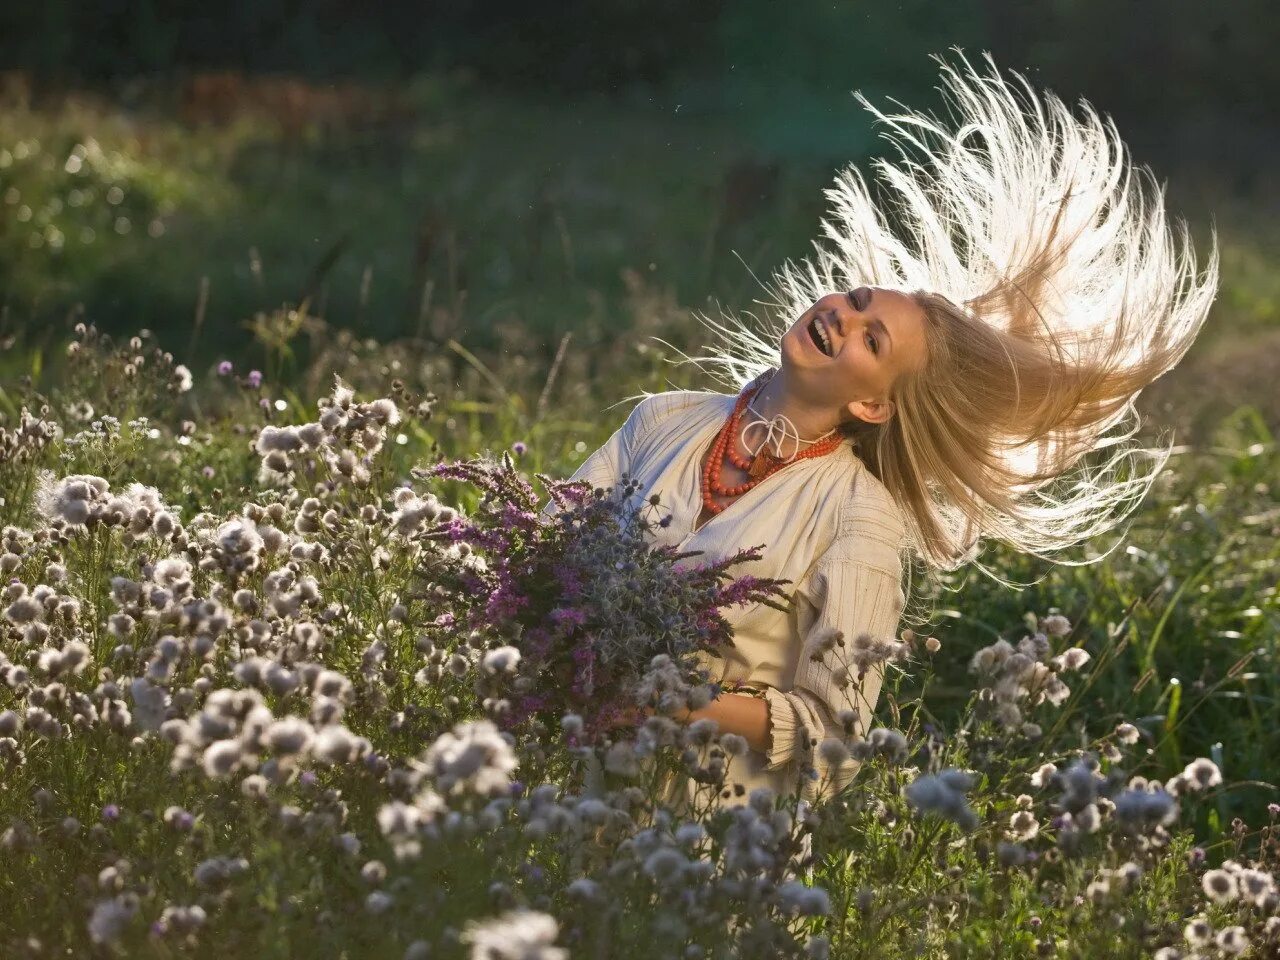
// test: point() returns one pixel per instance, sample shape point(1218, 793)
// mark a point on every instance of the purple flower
point(1273, 809)
point(308, 778)
point(264, 403)
point(254, 379)
point(567, 617)
point(207, 471)
point(224, 368)
point(517, 788)
point(519, 448)
point(1196, 856)
point(110, 812)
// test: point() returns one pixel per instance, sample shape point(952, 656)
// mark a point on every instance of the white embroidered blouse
point(827, 525)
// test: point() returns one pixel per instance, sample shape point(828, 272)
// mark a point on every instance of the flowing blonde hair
point(1053, 293)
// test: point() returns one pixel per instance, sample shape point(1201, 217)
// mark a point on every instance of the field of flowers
point(310, 669)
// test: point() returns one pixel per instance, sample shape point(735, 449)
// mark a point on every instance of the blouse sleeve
point(606, 465)
point(855, 588)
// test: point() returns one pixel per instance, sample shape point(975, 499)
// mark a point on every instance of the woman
point(924, 391)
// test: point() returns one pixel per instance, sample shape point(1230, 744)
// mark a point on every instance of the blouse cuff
point(789, 737)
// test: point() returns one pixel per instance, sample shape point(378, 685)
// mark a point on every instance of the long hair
point(1053, 292)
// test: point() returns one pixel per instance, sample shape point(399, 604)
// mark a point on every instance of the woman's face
point(846, 350)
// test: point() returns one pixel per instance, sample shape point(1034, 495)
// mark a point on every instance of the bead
point(770, 465)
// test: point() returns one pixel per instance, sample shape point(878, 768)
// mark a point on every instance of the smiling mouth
point(819, 335)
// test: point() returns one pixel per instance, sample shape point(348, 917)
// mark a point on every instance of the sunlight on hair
point(1053, 291)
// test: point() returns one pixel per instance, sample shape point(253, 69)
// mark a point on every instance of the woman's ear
point(870, 411)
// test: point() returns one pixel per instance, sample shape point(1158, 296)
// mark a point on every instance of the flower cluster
point(1026, 675)
point(345, 439)
point(596, 613)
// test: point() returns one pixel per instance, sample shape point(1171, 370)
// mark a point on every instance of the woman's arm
point(854, 596)
point(734, 713)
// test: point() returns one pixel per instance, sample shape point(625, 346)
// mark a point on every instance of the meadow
point(241, 713)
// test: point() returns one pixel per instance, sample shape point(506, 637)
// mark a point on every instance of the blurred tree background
point(503, 173)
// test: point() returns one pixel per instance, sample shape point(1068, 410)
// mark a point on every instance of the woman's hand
point(631, 716)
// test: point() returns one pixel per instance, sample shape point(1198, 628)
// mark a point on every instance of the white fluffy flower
point(516, 935)
point(1219, 885)
point(222, 758)
point(71, 499)
point(1201, 774)
point(239, 535)
point(1072, 659)
point(336, 744)
point(290, 735)
point(500, 660)
point(474, 757)
point(1127, 733)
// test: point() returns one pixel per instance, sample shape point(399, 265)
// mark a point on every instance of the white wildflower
point(336, 744)
point(475, 757)
point(516, 935)
point(1198, 932)
point(1232, 941)
point(1201, 774)
point(290, 735)
point(222, 758)
point(1042, 775)
point(1056, 625)
point(1127, 733)
point(1072, 659)
point(1219, 886)
point(1023, 825)
point(501, 660)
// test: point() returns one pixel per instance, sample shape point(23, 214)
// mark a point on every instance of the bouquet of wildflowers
point(581, 613)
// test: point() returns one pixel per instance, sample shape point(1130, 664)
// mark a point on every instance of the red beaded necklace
point(758, 467)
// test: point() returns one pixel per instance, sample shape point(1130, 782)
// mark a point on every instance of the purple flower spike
point(110, 812)
point(254, 379)
point(224, 368)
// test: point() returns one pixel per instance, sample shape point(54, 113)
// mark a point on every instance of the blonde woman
point(932, 383)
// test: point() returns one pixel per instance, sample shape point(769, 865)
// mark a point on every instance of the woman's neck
point(775, 398)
